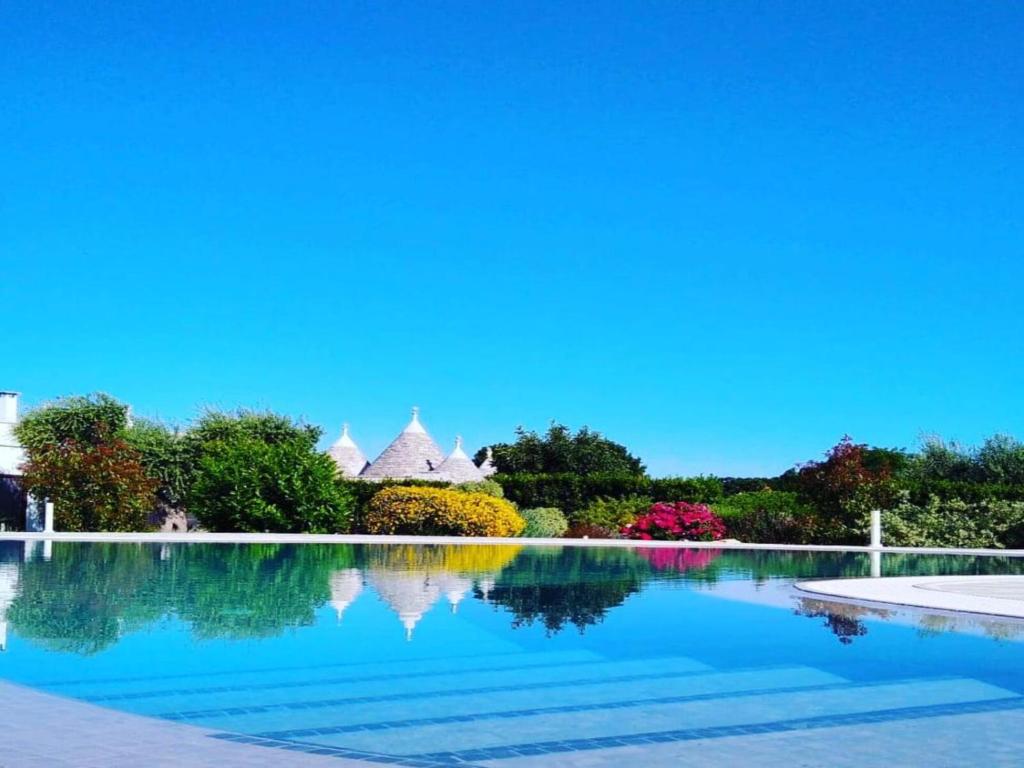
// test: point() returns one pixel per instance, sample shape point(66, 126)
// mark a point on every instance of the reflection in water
point(846, 620)
point(842, 620)
point(83, 597)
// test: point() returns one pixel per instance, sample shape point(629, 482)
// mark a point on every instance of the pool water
point(515, 656)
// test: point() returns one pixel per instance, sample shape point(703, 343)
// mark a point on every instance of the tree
point(263, 472)
point(78, 457)
point(166, 457)
point(559, 450)
point(852, 480)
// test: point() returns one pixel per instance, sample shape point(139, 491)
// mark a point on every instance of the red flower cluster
point(674, 522)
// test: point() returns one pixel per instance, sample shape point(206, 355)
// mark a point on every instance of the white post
point(47, 549)
point(48, 518)
point(876, 564)
point(876, 528)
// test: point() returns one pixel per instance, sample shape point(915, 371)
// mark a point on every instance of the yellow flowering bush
point(440, 512)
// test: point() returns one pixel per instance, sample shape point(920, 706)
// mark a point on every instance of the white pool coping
point(1001, 596)
point(329, 538)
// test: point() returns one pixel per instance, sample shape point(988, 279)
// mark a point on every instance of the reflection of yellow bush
point(440, 512)
point(465, 560)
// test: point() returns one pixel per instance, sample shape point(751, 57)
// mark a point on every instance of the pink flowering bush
point(672, 522)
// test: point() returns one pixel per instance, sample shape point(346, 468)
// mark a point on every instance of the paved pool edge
point(925, 592)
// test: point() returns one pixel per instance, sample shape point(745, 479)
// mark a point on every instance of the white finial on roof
point(345, 439)
point(414, 425)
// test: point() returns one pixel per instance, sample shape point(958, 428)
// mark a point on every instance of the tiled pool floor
point(547, 708)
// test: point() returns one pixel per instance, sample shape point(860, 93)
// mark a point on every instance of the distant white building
point(12, 456)
point(413, 455)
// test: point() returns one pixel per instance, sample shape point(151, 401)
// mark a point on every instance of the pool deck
point(988, 595)
point(327, 538)
point(46, 731)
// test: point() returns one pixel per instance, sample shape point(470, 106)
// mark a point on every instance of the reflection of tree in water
point(566, 585)
point(252, 590)
point(88, 595)
point(842, 620)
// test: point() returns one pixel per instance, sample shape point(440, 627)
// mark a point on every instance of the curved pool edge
point(973, 595)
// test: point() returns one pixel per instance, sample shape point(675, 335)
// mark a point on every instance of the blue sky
point(724, 234)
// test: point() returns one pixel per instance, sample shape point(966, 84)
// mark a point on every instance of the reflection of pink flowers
point(672, 522)
point(679, 560)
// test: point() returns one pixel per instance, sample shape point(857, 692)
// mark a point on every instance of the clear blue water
point(498, 655)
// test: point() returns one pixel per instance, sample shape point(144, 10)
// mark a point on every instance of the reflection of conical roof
point(455, 588)
point(411, 454)
point(346, 455)
point(458, 467)
point(410, 594)
point(487, 467)
point(345, 588)
point(8, 591)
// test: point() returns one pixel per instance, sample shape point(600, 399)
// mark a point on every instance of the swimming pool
point(515, 656)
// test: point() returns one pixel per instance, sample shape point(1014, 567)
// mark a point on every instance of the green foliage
point(490, 487)
point(852, 480)
point(560, 451)
point(999, 462)
point(262, 472)
point(166, 456)
point(573, 492)
point(612, 514)
point(767, 517)
point(954, 523)
point(77, 456)
point(543, 523)
point(694, 490)
point(88, 420)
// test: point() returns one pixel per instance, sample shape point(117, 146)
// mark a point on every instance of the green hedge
point(954, 523)
point(767, 517)
point(573, 492)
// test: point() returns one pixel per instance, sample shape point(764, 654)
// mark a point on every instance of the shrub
point(490, 487)
point(544, 523)
point(678, 521)
point(100, 486)
point(590, 531)
point(954, 523)
point(262, 472)
point(613, 514)
point(363, 491)
point(696, 490)
point(767, 517)
point(78, 457)
point(572, 492)
point(440, 512)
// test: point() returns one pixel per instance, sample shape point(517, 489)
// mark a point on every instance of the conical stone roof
point(346, 455)
point(487, 467)
point(458, 467)
point(412, 454)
